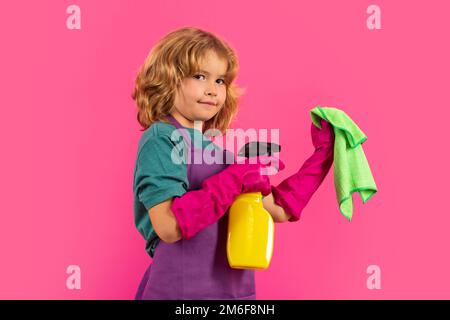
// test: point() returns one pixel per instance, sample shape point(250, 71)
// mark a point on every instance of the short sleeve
point(160, 172)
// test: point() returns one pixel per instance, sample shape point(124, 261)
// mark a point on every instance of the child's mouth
point(207, 104)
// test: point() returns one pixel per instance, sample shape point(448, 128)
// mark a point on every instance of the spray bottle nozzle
point(257, 148)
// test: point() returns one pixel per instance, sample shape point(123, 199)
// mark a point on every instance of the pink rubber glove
point(197, 209)
point(294, 193)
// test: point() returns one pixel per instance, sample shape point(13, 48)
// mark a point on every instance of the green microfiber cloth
point(351, 169)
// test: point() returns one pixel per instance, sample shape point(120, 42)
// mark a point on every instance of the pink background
point(69, 140)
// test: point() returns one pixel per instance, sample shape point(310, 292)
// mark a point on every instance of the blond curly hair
point(173, 58)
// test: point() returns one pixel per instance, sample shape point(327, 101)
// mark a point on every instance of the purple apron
point(197, 268)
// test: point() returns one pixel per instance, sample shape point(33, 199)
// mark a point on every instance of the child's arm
point(278, 214)
point(164, 222)
point(294, 193)
point(168, 230)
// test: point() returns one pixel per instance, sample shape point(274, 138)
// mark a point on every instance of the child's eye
point(201, 75)
point(198, 75)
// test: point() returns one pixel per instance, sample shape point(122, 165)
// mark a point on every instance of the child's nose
point(211, 89)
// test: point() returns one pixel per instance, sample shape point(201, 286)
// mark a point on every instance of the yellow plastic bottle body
point(250, 233)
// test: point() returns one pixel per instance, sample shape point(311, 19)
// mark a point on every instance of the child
point(180, 208)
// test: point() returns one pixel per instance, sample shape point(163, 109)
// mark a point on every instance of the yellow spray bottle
point(250, 226)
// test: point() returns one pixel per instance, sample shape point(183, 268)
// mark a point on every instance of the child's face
point(207, 85)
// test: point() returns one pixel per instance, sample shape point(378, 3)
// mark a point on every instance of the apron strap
point(187, 139)
point(183, 131)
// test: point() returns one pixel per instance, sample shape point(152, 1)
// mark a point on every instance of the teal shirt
point(157, 177)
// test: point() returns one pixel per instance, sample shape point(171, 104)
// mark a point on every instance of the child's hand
point(322, 137)
point(256, 171)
